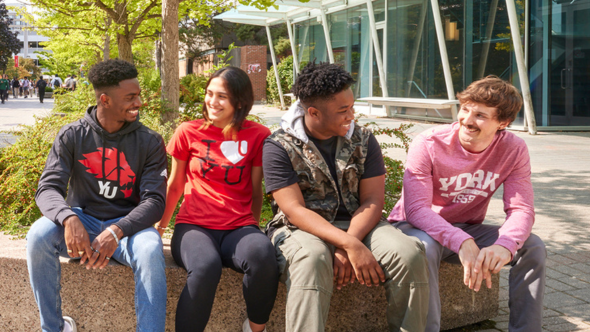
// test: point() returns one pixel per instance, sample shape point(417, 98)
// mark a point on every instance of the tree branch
point(142, 16)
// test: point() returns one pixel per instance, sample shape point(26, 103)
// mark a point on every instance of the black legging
point(203, 252)
point(41, 94)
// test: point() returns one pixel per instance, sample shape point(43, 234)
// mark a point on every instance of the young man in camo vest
point(326, 176)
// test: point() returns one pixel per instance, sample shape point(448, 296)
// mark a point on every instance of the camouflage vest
point(315, 180)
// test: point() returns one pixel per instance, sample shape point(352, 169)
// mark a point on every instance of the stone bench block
point(102, 300)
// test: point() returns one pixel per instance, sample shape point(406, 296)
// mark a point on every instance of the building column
point(522, 70)
point(377, 48)
point(293, 48)
point(440, 34)
point(327, 35)
point(274, 65)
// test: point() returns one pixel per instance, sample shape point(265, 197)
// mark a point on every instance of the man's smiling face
point(478, 126)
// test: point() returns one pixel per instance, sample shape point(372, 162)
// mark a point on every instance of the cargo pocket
point(286, 246)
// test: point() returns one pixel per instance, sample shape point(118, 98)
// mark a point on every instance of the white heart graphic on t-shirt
point(234, 151)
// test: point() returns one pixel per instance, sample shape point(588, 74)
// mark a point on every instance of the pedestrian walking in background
point(15, 88)
point(26, 85)
point(4, 86)
point(69, 83)
point(41, 84)
point(33, 87)
point(57, 82)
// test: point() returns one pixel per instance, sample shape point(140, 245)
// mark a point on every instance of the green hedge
point(285, 68)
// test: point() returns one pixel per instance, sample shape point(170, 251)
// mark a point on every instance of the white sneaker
point(246, 326)
point(69, 324)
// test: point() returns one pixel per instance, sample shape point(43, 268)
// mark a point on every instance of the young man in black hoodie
point(113, 170)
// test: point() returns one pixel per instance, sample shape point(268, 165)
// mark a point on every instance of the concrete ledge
point(102, 300)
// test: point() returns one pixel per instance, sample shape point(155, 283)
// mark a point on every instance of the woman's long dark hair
point(241, 97)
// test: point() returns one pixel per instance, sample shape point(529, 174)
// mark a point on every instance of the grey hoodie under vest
point(122, 174)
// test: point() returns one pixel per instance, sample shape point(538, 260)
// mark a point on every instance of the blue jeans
point(142, 252)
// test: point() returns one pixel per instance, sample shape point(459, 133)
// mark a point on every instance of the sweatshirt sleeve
point(518, 204)
point(152, 191)
point(418, 193)
point(53, 184)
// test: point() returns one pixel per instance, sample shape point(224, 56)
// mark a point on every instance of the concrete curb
point(102, 300)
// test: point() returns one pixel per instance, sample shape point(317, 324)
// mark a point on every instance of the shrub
point(74, 102)
point(285, 68)
point(192, 95)
point(21, 165)
point(48, 89)
point(394, 168)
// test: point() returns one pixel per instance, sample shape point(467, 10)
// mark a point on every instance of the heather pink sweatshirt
point(445, 184)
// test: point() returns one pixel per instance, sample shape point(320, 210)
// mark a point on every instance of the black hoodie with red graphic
point(122, 174)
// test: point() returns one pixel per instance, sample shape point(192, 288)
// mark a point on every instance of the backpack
point(55, 82)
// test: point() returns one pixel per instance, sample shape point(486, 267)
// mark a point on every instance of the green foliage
point(62, 67)
point(48, 89)
point(26, 68)
point(282, 47)
point(394, 168)
point(192, 95)
point(143, 55)
point(149, 78)
point(285, 68)
point(13, 71)
point(21, 165)
point(224, 59)
point(74, 102)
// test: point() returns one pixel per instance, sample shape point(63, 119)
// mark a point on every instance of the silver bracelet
point(114, 235)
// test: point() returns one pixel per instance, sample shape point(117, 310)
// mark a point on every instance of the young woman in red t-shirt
point(217, 164)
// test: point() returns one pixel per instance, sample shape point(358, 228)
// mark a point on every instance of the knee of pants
point(43, 235)
point(312, 265)
point(261, 258)
point(535, 250)
point(410, 264)
point(147, 249)
point(203, 270)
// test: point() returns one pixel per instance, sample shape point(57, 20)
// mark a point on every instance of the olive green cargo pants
point(306, 267)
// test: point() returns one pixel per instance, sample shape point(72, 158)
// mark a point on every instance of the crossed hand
point(359, 264)
point(480, 264)
point(95, 255)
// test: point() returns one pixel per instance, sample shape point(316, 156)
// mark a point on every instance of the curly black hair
point(321, 82)
point(110, 73)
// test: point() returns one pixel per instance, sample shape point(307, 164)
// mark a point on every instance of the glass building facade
point(477, 34)
point(478, 41)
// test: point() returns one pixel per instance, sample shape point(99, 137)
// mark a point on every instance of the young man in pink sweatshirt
point(452, 172)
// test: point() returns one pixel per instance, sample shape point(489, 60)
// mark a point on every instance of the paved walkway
point(20, 111)
point(561, 179)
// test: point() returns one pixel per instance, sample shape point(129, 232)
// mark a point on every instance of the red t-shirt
point(218, 191)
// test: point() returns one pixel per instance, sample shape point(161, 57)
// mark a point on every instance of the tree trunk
point(124, 43)
point(107, 47)
point(159, 56)
point(170, 80)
